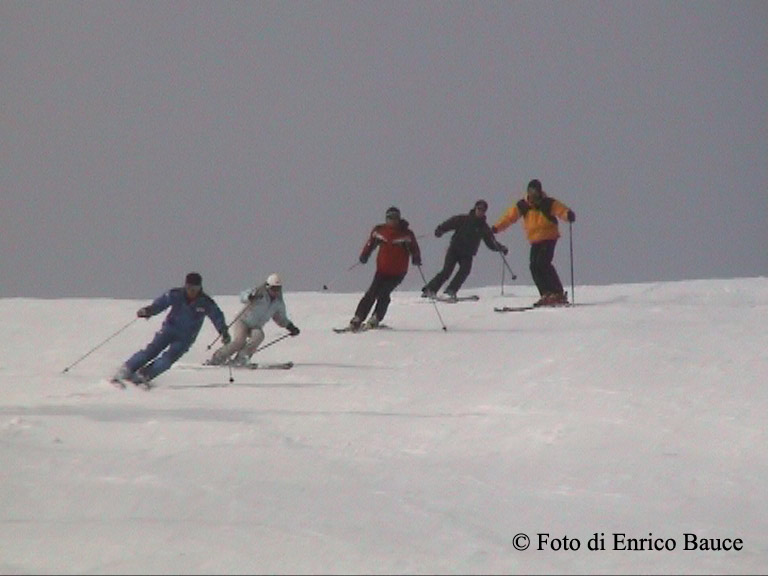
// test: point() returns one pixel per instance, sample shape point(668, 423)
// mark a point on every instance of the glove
point(225, 337)
point(494, 230)
point(293, 329)
point(571, 216)
point(416, 261)
point(144, 312)
point(363, 258)
point(438, 232)
point(503, 249)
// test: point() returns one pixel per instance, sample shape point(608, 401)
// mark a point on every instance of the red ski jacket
point(396, 243)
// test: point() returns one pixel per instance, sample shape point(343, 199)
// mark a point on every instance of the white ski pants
point(245, 341)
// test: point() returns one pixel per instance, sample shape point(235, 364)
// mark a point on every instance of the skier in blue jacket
point(189, 307)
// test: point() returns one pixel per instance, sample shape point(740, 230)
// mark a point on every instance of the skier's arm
point(216, 316)
point(562, 211)
point(247, 295)
point(509, 217)
point(373, 240)
point(158, 305)
point(280, 316)
point(413, 248)
point(491, 242)
point(451, 224)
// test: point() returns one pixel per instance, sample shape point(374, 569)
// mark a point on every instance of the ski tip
point(513, 308)
point(270, 365)
point(449, 300)
point(120, 385)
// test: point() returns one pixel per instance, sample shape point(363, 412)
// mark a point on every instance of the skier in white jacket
point(262, 304)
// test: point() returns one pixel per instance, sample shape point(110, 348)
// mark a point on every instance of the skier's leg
point(366, 302)
point(537, 265)
point(383, 298)
point(554, 286)
point(239, 336)
point(465, 267)
point(255, 340)
point(439, 279)
point(175, 351)
point(159, 342)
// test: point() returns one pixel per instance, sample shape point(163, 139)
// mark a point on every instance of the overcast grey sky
point(141, 140)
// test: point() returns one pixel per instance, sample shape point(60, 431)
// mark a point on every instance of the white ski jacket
point(260, 308)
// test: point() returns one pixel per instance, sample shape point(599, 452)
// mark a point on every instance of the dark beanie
point(393, 212)
point(535, 184)
point(194, 279)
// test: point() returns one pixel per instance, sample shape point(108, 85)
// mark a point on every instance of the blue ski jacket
point(186, 318)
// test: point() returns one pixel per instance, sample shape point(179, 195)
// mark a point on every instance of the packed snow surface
point(636, 419)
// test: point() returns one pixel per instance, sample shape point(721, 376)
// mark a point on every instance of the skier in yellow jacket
point(540, 213)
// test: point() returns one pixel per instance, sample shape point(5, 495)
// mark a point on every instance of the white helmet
point(274, 281)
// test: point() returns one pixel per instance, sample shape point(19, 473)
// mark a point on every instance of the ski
point(267, 366)
point(345, 329)
point(123, 384)
point(363, 328)
point(512, 308)
point(249, 366)
point(449, 300)
point(117, 383)
point(524, 308)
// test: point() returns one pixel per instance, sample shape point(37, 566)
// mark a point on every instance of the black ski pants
point(544, 274)
point(451, 259)
point(378, 293)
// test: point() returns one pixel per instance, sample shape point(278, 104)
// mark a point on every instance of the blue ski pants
point(166, 344)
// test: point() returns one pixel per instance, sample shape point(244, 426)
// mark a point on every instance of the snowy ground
point(640, 411)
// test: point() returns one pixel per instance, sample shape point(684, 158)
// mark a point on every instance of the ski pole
point(570, 241)
point(355, 265)
point(228, 327)
point(92, 350)
point(511, 273)
point(503, 271)
point(433, 302)
point(275, 341)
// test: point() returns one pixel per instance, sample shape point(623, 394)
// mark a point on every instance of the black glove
point(438, 232)
point(363, 258)
point(503, 249)
point(571, 216)
point(417, 261)
point(144, 312)
point(225, 337)
point(293, 329)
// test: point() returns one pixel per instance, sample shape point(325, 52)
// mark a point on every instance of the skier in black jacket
point(469, 230)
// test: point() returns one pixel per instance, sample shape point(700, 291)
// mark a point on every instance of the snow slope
point(640, 413)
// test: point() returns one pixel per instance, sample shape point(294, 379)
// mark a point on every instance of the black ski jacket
point(469, 230)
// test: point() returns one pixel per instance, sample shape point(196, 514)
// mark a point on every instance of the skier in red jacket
point(397, 245)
